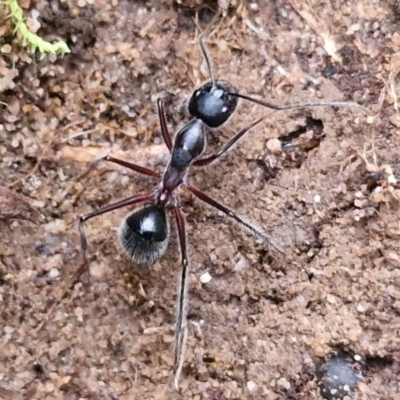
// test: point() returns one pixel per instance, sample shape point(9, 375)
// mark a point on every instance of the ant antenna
point(300, 105)
point(216, 101)
point(206, 57)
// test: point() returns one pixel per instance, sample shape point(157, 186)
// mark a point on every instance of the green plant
point(31, 39)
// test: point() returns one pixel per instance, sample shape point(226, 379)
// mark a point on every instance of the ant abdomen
point(213, 103)
point(144, 234)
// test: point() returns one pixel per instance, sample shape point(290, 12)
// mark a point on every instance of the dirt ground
point(263, 324)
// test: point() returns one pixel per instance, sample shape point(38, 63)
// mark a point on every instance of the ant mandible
point(144, 233)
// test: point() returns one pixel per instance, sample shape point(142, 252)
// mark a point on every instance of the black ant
point(144, 233)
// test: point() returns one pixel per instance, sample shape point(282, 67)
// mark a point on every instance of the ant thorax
point(190, 143)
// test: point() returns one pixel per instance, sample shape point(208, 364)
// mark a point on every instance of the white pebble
point(317, 198)
point(251, 386)
point(284, 382)
point(79, 313)
point(8, 329)
point(331, 299)
point(242, 264)
point(151, 330)
point(370, 119)
point(254, 6)
point(274, 145)
point(360, 308)
point(96, 270)
point(53, 273)
point(205, 278)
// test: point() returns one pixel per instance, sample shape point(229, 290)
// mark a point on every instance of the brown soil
point(259, 328)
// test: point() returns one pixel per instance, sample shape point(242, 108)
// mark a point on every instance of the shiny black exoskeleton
point(190, 142)
point(214, 103)
point(144, 234)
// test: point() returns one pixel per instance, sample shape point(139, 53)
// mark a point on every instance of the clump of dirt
point(322, 182)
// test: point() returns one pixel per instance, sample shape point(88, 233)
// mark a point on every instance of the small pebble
point(331, 299)
point(79, 313)
point(274, 145)
point(53, 273)
point(49, 387)
point(284, 382)
point(360, 308)
point(251, 386)
point(8, 329)
point(96, 270)
point(151, 330)
point(254, 6)
point(242, 264)
point(6, 49)
point(205, 278)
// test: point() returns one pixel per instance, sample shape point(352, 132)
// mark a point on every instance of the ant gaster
point(144, 233)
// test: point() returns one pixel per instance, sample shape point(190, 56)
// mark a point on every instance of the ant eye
point(224, 109)
point(197, 93)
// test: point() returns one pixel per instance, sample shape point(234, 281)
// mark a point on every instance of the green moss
point(30, 39)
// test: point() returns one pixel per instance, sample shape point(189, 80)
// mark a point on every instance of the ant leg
point(208, 160)
point(243, 223)
point(126, 164)
point(181, 326)
point(164, 130)
point(122, 203)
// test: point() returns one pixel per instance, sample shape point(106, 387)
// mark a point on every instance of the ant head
point(144, 234)
point(213, 103)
